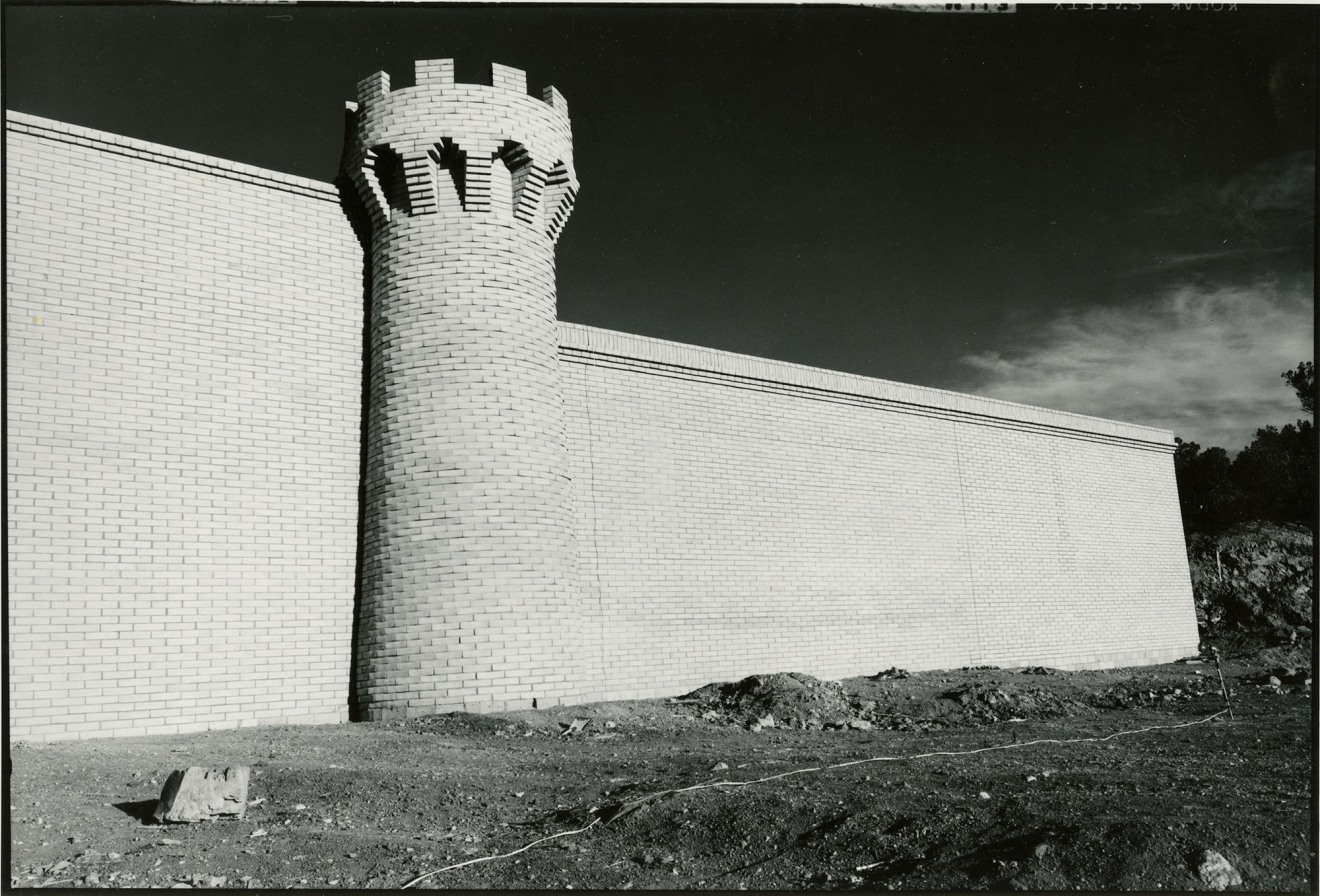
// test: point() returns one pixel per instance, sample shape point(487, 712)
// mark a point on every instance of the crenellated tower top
point(486, 152)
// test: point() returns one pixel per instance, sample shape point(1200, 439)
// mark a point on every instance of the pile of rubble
point(985, 703)
point(1139, 694)
point(1282, 680)
point(784, 699)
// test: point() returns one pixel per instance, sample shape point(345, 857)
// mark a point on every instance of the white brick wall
point(184, 392)
point(555, 511)
point(738, 515)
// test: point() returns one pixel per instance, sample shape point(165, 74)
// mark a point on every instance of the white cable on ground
point(821, 768)
point(506, 855)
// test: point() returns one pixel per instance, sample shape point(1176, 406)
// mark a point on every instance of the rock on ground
point(199, 793)
point(1216, 872)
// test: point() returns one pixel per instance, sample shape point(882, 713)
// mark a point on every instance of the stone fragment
point(720, 767)
point(1216, 872)
point(859, 724)
point(198, 794)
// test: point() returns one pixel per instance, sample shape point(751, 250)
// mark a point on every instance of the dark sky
point(1105, 211)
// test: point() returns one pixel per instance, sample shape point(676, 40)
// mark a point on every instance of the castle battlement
point(487, 153)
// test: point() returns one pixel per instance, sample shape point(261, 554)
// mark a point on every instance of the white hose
point(821, 768)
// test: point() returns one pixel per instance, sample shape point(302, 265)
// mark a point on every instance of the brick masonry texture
point(469, 595)
point(184, 392)
point(551, 512)
point(738, 515)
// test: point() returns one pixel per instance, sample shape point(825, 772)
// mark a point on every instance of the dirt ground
point(380, 805)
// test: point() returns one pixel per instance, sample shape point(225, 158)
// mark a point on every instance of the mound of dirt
point(463, 723)
point(1144, 693)
point(1253, 584)
point(981, 702)
point(793, 699)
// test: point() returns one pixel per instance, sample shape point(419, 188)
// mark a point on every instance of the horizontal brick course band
point(594, 345)
point(22, 123)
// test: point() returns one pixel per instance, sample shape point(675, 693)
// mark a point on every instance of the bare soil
point(1254, 584)
point(379, 805)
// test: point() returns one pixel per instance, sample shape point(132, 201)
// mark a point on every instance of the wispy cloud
point(1204, 363)
point(1229, 306)
point(1251, 219)
point(1200, 259)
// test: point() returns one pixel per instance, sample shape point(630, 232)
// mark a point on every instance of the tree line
point(1273, 478)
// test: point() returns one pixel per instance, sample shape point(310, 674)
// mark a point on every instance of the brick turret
point(468, 588)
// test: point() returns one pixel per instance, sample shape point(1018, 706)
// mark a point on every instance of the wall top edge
point(586, 339)
point(22, 122)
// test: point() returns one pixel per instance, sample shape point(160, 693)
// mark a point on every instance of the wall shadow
point(358, 217)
